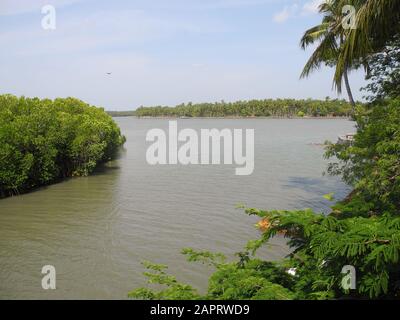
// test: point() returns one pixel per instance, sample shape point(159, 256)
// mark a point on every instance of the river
point(97, 230)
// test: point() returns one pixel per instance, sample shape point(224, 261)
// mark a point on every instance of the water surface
point(97, 230)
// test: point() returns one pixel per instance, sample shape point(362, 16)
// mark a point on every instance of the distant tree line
point(121, 113)
point(254, 108)
point(42, 141)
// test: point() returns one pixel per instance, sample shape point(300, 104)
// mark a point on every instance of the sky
point(161, 52)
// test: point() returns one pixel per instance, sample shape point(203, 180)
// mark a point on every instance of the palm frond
point(314, 34)
point(324, 52)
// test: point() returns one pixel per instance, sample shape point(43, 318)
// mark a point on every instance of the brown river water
point(97, 230)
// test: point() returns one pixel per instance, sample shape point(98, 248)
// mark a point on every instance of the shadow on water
point(316, 188)
point(102, 169)
point(105, 168)
point(314, 185)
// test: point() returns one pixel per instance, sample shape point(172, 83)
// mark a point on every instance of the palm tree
point(377, 22)
point(330, 36)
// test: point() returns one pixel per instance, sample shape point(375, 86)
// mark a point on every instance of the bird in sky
point(109, 73)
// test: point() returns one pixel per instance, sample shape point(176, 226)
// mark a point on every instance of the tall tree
point(330, 36)
point(377, 23)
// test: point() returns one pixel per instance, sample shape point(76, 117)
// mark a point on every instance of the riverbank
point(238, 118)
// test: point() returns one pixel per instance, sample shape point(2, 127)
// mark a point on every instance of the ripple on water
point(97, 230)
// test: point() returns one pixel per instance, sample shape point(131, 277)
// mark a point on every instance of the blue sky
point(160, 51)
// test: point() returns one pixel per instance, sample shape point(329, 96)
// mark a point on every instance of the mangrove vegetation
point(43, 141)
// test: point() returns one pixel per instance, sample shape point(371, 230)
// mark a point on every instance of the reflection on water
point(97, 230)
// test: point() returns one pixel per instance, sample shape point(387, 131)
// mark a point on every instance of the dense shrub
point(42, 141)
point(372, 163)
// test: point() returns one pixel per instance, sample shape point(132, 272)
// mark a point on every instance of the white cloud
point(14, 7)
point(224, 4)
point(311, 7)
point(286, 13)
point(294, 10)
point(101, 30)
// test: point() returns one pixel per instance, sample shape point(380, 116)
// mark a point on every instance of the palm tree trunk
point(347, 84)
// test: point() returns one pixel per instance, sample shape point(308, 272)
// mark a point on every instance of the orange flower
point(264, 224)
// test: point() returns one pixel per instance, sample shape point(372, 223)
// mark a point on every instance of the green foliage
point(327, 38)
point(174, 290)
point(322, 245)
point(377, 24)
point(384, 73)
point(42, 141)
point(329, 196)
point(253, 108)
point(253, 279)
point(205, 257)
point(121, 113)
point(372, 162)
